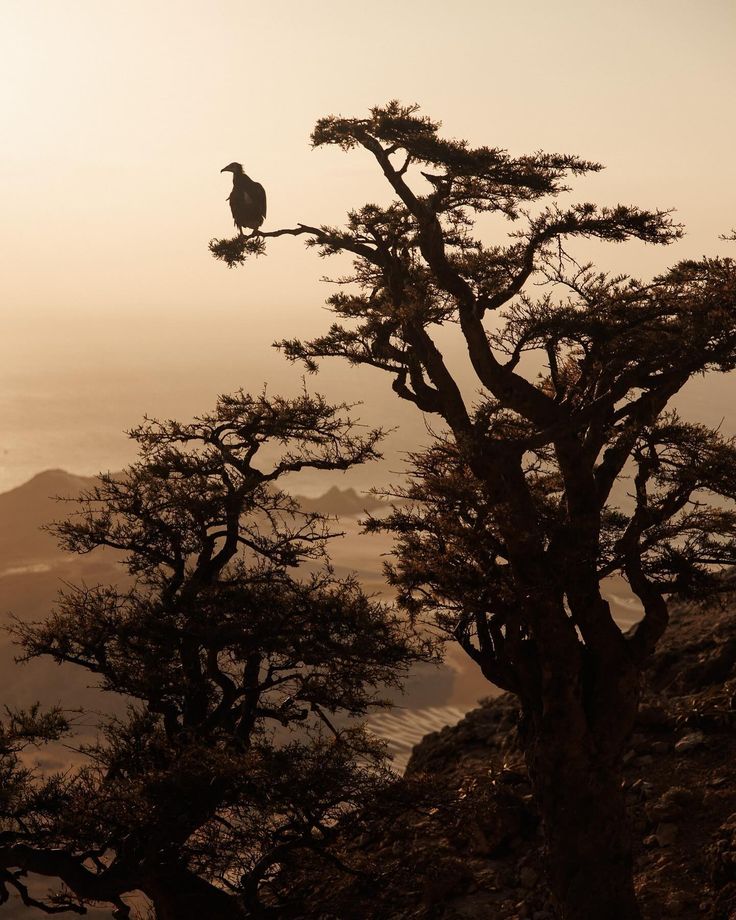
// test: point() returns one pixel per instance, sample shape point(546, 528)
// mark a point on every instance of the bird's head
point(235, 168)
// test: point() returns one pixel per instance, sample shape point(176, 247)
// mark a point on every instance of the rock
point(642, 789)
point(673, 805)
point(666, 834)
point(714, 667)
point(528, 877)
point(675, 905)
point(450, 876)
point(469, 907)
point(683, 796)
point(690, 742)
point(513, 775)
point(721, 854)
point(718, 780)
point(713, 798)
point(654, 717)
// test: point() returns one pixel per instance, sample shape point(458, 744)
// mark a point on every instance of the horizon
point(209, 656)
point(112, 172)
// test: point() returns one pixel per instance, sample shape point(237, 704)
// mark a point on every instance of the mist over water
point(70, 408)
point(68, 404)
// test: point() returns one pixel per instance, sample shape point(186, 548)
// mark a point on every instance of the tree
point(514, 523)
point(239, 743)
point(28, 801)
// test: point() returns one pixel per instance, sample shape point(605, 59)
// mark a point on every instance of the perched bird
point(247, 199)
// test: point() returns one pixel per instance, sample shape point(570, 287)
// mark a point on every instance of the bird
point(247, 199)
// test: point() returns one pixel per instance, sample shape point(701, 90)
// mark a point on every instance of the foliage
point(545, 453)
point(517, 512)
point(242, 680)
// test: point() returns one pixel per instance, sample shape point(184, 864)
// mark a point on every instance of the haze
point(118, 116)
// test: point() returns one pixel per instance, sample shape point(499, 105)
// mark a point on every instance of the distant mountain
point(342, 502)
point(24, 510)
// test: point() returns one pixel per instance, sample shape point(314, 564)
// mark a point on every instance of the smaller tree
point(242, 681)
point(28, 801)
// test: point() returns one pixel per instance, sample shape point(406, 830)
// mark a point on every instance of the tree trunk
point(575, 762)
point(589, 845)
point(183, 896)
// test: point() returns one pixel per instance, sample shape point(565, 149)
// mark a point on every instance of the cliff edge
point(459, 836)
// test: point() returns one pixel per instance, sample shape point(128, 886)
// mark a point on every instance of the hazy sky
point(117, 116)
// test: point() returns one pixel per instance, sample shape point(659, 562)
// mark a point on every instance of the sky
point(118, 116)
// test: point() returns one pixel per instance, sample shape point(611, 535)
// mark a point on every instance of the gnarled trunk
point(575, 760)
point(589, 845)
point(184, 896)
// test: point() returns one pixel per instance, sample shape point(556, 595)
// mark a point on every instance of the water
point(67, 394)
point(76, 420)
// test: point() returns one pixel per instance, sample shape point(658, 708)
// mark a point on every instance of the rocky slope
point(460, 838)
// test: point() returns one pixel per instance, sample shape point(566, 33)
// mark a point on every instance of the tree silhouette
point(238, 745)
point(515, 520)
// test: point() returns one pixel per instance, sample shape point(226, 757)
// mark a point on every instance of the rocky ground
point(460, 838)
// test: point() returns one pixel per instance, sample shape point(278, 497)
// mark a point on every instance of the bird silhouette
point(247, 199)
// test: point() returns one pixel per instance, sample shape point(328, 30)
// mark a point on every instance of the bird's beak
point(225, 169)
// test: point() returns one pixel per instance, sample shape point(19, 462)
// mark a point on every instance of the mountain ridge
point(25, 509)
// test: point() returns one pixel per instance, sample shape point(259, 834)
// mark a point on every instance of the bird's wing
point(259, 196)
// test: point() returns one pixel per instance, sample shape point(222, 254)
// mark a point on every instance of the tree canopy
point(242, 677)
point(547, 450)
point(516, 519)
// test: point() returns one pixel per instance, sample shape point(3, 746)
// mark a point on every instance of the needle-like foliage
point(243, 675)
point(521, 509)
